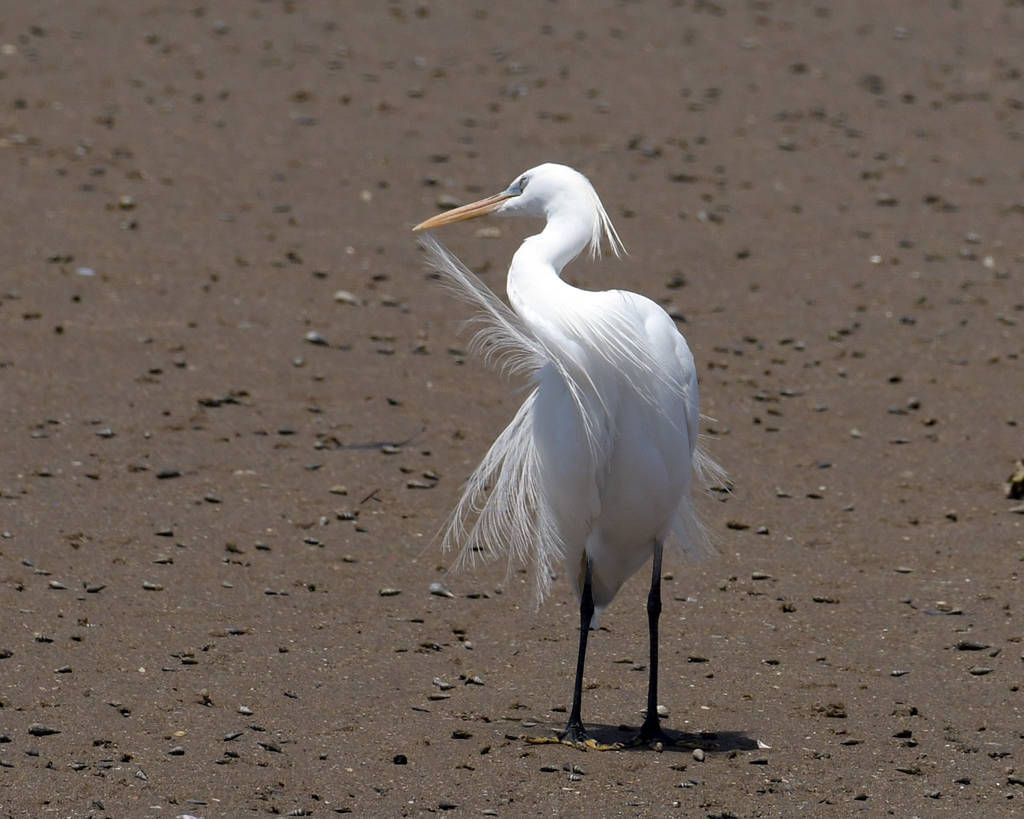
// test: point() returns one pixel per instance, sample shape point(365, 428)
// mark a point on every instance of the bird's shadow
point(620, 737)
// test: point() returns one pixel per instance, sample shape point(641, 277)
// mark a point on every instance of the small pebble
point(448, 202)
point(698, 754)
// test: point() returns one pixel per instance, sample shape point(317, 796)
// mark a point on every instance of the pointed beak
point(471, 211)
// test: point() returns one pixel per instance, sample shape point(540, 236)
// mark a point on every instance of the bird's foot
point(575, 736)
point(651, 735)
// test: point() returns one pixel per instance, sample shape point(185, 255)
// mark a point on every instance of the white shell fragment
point(439, 590)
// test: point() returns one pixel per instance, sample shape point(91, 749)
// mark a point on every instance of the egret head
point(548, 191)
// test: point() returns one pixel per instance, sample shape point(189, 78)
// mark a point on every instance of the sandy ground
point(235, 411)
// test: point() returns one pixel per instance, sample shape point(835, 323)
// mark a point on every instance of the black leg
point(574, 732)
point(651, 731)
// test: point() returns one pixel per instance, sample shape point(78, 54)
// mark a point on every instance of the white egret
point(595, 468)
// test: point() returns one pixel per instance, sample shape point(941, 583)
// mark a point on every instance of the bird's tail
point(689, 530)
point(711, 474)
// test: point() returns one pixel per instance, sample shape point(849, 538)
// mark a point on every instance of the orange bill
point(471, 211)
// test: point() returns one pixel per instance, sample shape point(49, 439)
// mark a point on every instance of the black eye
point(522, 182)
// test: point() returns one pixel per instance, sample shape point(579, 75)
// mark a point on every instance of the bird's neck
point(534, 279)
point(564, 237)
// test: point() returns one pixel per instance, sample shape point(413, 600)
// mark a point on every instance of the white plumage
point(595, 469)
